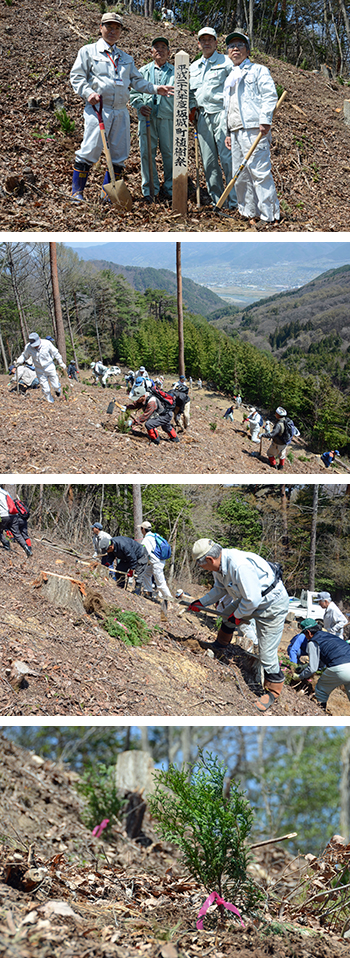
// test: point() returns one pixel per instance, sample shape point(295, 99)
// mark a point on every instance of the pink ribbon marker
point(219, 901)
point(97, 831)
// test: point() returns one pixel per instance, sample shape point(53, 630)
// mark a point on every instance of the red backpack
point(167, 399)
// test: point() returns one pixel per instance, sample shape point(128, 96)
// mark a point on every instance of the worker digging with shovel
point(102, 75)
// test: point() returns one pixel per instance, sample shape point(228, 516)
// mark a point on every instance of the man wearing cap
point(246, 587)
point(154, 414)
point(207, 78)
point(159, 112)
point(43, 356)
point(328, 458)
point(24, 377)
point(325, 651)
point(278, 448)
point(155, 565)
point(103, 69)
point(101, 541)
point(254, 420)
point(250, 98)
point(333, 620)
point(183, 403)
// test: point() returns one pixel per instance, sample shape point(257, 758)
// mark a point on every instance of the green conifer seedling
point(209, 826)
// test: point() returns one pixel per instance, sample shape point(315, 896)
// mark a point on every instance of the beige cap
point(146, 525)
point(201, 548)
point(112, 18)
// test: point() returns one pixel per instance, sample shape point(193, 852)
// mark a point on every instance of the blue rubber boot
point(118, 173)
point(79, 182)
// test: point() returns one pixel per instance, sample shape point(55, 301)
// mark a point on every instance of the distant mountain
point(309, 327)
point(197, 298)
point(196, 256)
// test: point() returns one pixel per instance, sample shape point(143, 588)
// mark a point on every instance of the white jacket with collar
point(243, 576)
point(207, 78)
point(257, 95)
point(93, 72)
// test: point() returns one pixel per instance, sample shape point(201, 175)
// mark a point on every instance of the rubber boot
point(6, 545)
point(153, 436)
point(223, 639)
point(172, 435)
point(137, 590)
point(273, 690)
point(28, 551)
point(272, 461)
point(80, 175)
point(281, 464)
point(118, 173)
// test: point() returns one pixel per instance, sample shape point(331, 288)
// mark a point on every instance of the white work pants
point(117, 125)
point(156, 568)
point(47, 379)
point(255, 188)
point(254, 431)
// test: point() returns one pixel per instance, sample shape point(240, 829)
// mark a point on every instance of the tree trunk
point(137, 510)
point(180, 319)
point(313, 539)
point(61, 340)
point(22, 318)
point(345, 791)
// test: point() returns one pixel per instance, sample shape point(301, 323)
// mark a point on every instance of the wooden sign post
point(180, 149)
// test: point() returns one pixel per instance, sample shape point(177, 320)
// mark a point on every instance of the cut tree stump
point(62, 590)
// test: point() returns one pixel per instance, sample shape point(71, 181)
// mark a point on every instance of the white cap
point(208, 30)
point(34, 339)
point(146, 525)
point(201, 548)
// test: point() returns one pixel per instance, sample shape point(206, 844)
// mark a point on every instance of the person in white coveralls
point(43, 355)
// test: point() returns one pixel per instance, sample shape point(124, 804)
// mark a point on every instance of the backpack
point(181, 396)
point(289, 431)
point(168, 400)
point(162, 547)
point(21, 509)
point(261, 421)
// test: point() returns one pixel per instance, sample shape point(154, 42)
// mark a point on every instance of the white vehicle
point(305, 607)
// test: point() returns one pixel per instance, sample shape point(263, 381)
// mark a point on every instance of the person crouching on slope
point(154, 414)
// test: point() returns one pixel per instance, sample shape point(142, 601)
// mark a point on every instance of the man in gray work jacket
point(247, 587)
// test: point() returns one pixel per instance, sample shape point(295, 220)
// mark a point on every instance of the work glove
point(63, 366)
point(195, 606)
point(234, 621)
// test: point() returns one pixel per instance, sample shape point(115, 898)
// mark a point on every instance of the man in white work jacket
point(159, 113)
point(43, 355)
point(256, 591)
point(250, 98)
point(103, 69)
point(207, 78)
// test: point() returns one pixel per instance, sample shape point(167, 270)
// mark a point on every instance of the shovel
point(110, 407)
point(229, 186)
point(116, 189)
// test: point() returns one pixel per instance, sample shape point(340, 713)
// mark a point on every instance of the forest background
point(306, 528)
point(296, 779)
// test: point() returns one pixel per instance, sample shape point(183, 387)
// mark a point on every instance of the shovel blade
point(110, 407)
point(119, 194)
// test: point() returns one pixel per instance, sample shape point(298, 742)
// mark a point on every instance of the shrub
point(98, 787)
point(209, 827)
point(127, 626)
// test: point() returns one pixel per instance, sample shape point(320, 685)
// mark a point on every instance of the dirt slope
point(76, 435)
point(71, 666)
point(120, 898)
point(310, 140)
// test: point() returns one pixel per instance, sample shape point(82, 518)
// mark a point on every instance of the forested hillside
point(197, 298)
point(308, 328)
point(106, 318)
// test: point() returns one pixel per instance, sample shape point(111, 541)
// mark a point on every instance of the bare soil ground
point(57, 659)
point(76, 435)
point(118, 897)
point(310, 151)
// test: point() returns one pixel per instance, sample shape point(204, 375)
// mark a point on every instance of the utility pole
point(180, 318)
point(313, 539)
